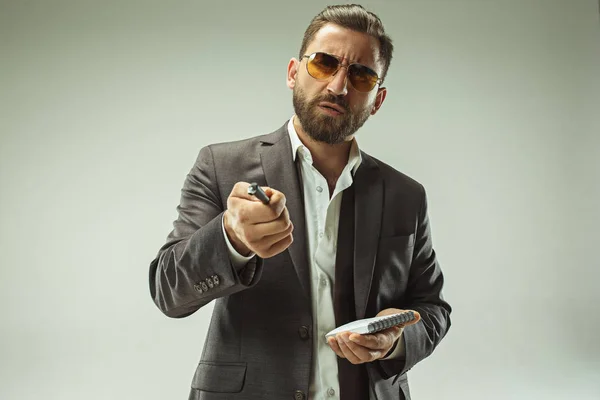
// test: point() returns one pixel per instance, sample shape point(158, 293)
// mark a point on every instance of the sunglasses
point(322, 66)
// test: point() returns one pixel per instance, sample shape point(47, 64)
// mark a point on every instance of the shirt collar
point(354, 159)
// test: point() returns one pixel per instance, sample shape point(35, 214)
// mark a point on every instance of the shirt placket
point(324, 265)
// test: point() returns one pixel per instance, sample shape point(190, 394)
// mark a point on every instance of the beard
point(327, 128)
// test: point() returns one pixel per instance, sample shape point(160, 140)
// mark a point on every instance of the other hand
point(359, 349)
point(252, 226)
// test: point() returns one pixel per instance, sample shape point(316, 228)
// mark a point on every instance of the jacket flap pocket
point(222, 377)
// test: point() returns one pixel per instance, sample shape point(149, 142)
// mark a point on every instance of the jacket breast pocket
point(394, 258)
point(397, 250)
point(220, 377)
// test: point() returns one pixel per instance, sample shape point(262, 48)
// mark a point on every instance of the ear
point(292, 72)
point(380, 97)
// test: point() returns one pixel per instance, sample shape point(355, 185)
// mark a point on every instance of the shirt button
point(330, 392)
point(320, 234)
point(323, 282)
point(319, 189)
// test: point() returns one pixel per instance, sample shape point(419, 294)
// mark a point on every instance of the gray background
point(492, 105)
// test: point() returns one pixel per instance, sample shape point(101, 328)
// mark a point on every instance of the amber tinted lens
point(362, 78)
point(322, 66)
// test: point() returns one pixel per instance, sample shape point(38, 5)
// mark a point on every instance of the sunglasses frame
point(340, 65)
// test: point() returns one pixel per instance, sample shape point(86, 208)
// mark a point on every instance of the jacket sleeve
point(193, 267)
point(424, 294)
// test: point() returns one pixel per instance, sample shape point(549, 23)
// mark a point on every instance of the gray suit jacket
point(259, 343)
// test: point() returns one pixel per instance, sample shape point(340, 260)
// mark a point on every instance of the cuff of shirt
point(236, 258)
point(399, 351)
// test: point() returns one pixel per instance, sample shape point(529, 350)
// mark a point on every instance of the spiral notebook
point(373, 325)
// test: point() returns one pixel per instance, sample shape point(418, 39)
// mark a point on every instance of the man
point(344, 236)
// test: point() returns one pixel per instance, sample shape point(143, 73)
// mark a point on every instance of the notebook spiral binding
point(391, 321)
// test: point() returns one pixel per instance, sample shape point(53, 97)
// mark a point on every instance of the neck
point(328, 159)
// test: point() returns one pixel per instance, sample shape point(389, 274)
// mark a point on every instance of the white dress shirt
point(322, 218)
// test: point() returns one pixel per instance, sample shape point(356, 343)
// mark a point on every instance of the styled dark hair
point(356, 18)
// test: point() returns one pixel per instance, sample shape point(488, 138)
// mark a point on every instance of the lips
point(332, 106)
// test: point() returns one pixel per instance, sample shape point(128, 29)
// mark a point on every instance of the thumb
point(268, 191)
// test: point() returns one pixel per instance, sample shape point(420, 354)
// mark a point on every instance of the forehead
point(354, 46)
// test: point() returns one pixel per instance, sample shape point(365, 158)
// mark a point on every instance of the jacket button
point(299, 395)
point(198, 288)
point(304, 332)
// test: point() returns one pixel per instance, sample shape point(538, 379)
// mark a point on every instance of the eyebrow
point(349, 62)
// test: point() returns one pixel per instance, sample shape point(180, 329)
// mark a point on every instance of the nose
point(339, 84)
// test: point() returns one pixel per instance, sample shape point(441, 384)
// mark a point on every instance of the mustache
point(338, 100)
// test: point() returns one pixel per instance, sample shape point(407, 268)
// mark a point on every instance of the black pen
point(257, 191)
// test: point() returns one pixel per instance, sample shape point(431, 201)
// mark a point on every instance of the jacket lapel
point(367, 224)
point(281, 174)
